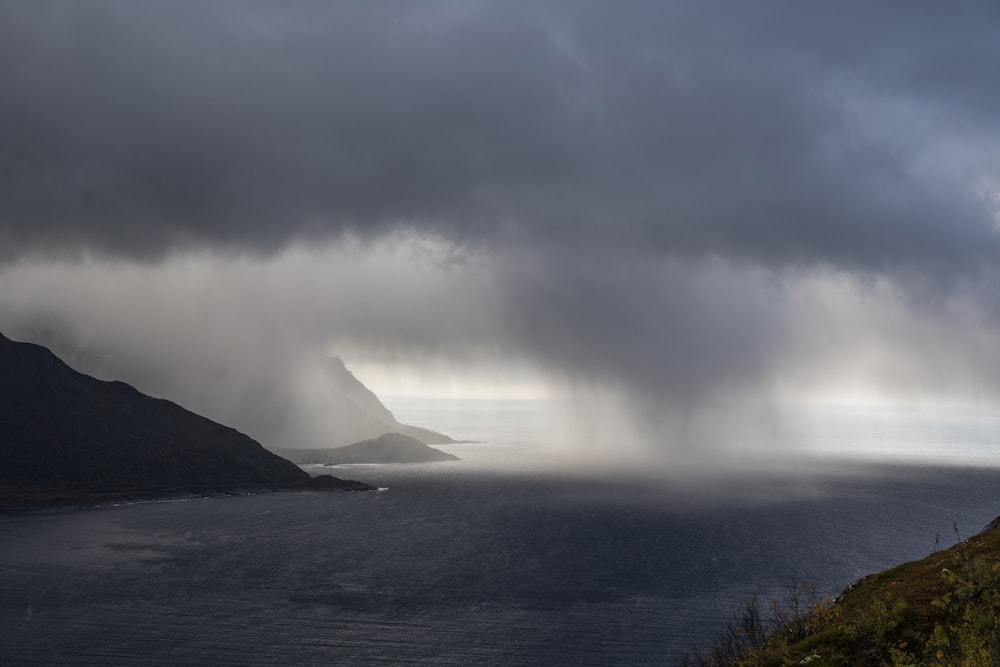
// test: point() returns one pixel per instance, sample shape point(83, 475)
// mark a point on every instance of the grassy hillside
point(941, 610)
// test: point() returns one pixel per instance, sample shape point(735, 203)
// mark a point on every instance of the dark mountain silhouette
point(328, 408)
point(387, 448)
point(69, 437)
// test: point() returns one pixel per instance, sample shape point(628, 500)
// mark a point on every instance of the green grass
point(941, 610)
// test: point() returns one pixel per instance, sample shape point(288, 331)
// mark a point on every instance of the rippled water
point(452, 565)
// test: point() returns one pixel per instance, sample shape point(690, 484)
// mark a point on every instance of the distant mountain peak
point(351, 388)
point(356, 413)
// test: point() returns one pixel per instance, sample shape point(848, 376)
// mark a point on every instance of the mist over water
point(791, 438)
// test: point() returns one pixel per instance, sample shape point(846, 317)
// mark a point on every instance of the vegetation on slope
point(941, 610)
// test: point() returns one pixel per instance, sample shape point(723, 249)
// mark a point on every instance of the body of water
point(459, 563)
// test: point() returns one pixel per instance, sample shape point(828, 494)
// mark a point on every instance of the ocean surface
point(462, 562)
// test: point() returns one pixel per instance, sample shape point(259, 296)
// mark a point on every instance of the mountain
point(277, 401)
point(328, 407)
point(363, 414)
point(387, 448)
point(66, 436)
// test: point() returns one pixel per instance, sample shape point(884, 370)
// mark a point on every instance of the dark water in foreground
point(454, 568)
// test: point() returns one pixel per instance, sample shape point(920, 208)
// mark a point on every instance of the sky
point(661, 208)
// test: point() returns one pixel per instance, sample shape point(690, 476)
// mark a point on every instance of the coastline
point(37, 499)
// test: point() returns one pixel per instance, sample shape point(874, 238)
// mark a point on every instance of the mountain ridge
point(66, 435)
point(290, 403)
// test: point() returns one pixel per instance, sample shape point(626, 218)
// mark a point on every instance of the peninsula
point(387, 448)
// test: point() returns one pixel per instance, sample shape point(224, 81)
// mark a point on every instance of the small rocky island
point(387, 448)
point(69, 438)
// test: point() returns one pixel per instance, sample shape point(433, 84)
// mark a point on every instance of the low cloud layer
point(659, 356)
point(675, 202)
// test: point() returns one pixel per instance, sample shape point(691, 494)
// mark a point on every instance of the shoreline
point(43, 499)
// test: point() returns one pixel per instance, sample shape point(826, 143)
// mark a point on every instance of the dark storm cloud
point(671, 202)
point(681, 128)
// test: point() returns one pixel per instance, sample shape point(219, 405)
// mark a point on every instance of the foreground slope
point(941, 610)
point(66, 436)
point(387, 448)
